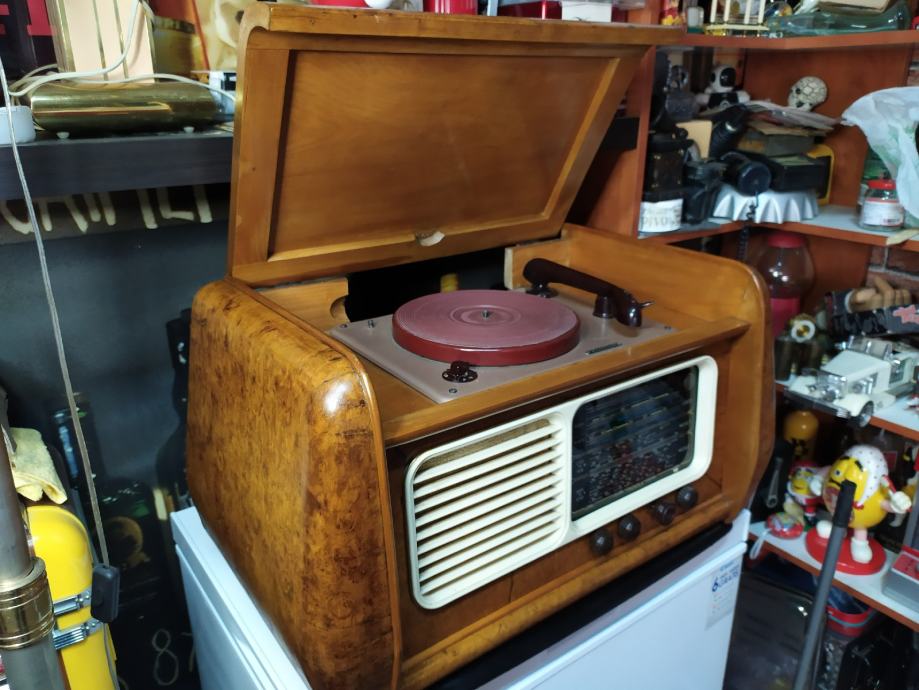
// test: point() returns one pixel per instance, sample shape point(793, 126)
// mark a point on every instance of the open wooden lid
point(366, 139)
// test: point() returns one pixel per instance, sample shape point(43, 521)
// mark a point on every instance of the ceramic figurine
point(800, 501)
point(670, 13)
point(875, 496)
point(800, 428)
point(807, 93)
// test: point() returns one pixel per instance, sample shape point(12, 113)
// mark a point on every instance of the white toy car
point(866, 376)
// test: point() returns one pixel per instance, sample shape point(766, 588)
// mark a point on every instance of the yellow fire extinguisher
point(59, 538)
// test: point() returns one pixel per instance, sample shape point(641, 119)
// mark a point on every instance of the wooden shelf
point(713, 226)
point(61, 167)
point(879, 39)
point(899, 419)
point(834, 222)
point(896, 418)
point(840, 223)
point(865, 588)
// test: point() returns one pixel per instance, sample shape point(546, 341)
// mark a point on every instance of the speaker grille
point(478, 510)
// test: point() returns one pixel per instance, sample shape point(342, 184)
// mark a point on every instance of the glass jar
point(881, 209)
point(788, 271)
point(873, 169)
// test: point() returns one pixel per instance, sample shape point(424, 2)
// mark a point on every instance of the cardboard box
point(89, 35)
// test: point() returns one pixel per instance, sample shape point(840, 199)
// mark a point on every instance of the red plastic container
point(541, 9)
point(787, 268)
point(452, 6)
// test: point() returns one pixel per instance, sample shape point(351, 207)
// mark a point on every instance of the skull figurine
point(807, 93)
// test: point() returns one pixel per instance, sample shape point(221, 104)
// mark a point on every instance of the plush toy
point(722, 91)
point(875, 496)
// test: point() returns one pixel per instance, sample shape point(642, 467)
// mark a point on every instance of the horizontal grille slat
point(432, 540)
point(510, 498)
point(471, 568)
point(479, 509)
point(447, 542)
point(484, 481)
point(482, 468)
point(439, 560)
point(437, 467)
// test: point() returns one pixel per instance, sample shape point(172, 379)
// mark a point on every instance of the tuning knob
point(601, 542)
point(629, 527)
point(663, 512)
point(687, 497)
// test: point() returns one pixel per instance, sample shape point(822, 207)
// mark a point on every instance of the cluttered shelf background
point(138, 221)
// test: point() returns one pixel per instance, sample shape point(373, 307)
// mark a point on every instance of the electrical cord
point(31, 81)
point(28, 75)
point(26, 84)
point(743, 238)
point(55, 323)
point(102, 71)
point(162, 75)
point(61, 355)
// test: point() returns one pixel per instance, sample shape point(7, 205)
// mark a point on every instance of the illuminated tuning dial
point(664, 512)
point(629, 527)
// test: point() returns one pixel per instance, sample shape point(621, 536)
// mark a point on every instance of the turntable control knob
point(664, 512)
point(460, 372)
point(629, 527)
point(687, 497)
point(601, 542)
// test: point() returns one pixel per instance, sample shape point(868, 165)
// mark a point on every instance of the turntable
point(493, 337)
point(402, 494)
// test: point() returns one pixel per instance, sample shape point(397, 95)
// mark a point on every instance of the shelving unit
point(865, 588)
point(897, 418)
point(61, 167)
point(880, 39)
point(713, 226)
point(840, 223)
point(834, 222)
point(852, 66)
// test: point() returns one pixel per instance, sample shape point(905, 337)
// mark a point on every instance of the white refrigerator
point(672, 635)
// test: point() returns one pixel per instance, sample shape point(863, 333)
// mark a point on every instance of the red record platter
point(486, 327)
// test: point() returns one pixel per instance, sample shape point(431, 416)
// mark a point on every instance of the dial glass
point(632, 438)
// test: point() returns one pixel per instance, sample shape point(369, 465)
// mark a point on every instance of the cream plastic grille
point(481, 507)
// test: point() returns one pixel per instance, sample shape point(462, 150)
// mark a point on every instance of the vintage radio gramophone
point(401, 494)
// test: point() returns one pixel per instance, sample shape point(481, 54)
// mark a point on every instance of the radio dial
point(601, 542)
point(664, 512)
point(687, 497)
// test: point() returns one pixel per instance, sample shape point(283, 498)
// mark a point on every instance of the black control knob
point(664, 512)
point(687, 497)
point(601, 542)
point(629, 527)
point(460, 372)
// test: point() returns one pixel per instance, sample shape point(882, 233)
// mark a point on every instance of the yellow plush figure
point(875, 494)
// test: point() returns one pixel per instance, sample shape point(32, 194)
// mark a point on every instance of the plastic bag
point(889, 118)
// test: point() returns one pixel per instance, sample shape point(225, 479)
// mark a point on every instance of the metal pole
point(35, 665)
point(34, 668)
point(15, 560)
point(824, 582)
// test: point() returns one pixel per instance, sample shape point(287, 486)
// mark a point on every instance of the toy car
point(866, 376)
